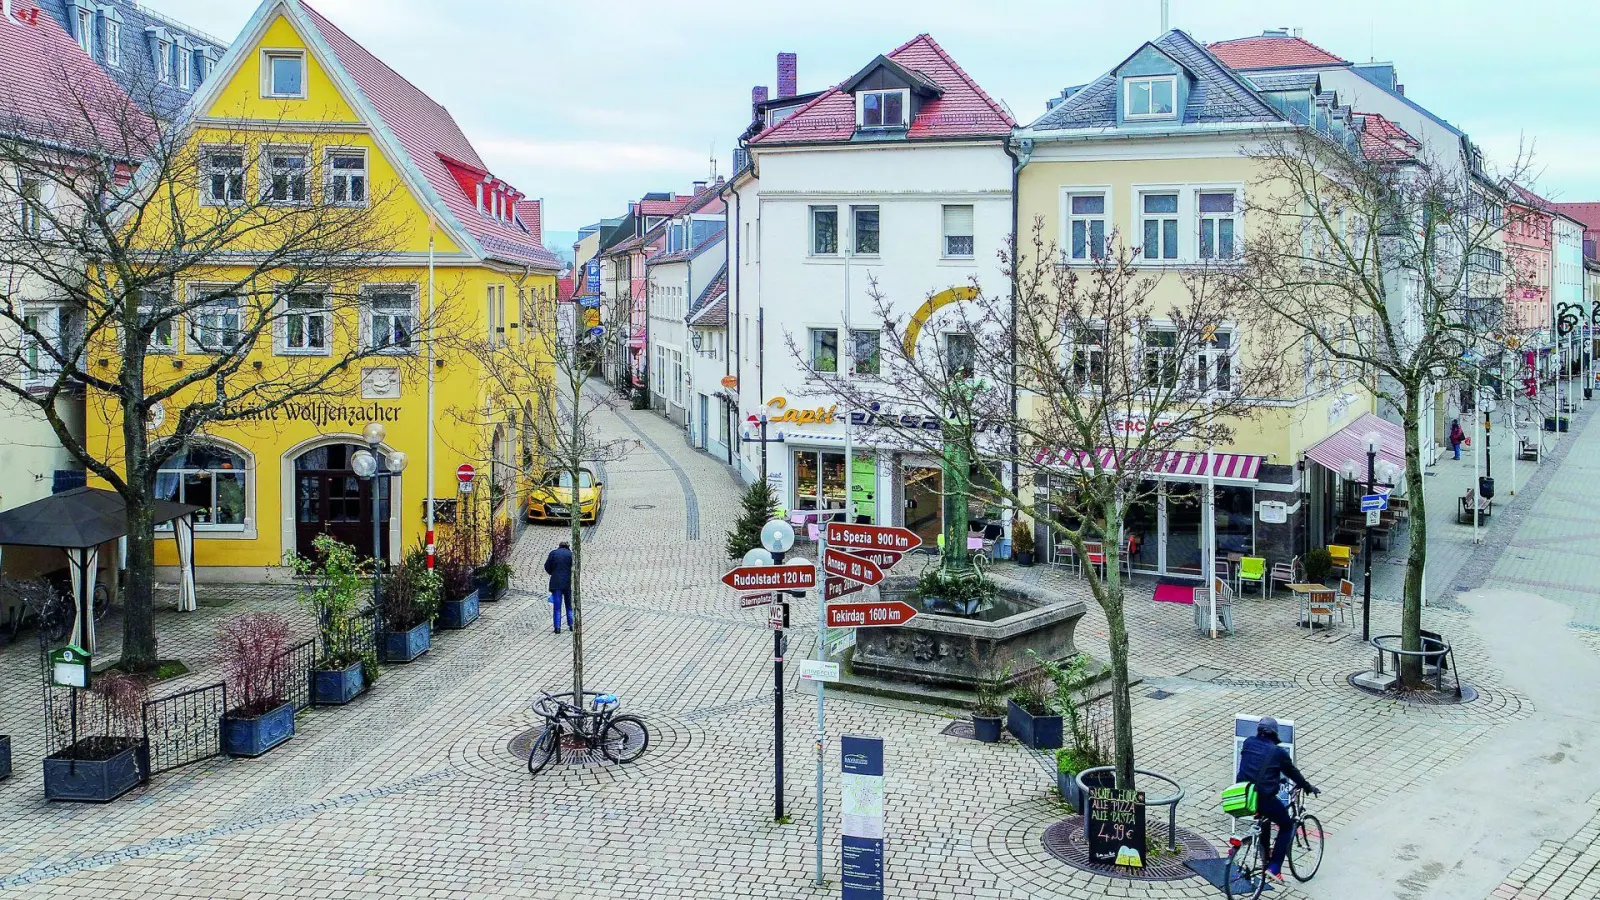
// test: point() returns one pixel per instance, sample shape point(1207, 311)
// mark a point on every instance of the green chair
point(1253, 570)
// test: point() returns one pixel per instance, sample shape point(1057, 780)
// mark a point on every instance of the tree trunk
point(575, 462)
point(138, 612)
point(1417, 552)
point(1111, 599)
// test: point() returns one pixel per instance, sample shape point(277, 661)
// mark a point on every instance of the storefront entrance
point(330, 499)
point(925, 504)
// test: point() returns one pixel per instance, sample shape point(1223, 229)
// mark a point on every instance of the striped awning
point(1175, 465)
point(1348, 446)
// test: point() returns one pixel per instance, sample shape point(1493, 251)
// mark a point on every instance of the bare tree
point(1089, 383)
point(127, 236)
point(546, 379)
point(1388, 263)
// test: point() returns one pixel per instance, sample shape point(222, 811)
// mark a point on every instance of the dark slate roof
point(710, 309)
point(1218, 95)
point(1291, 81)
point(690, 252)
point(136, 68)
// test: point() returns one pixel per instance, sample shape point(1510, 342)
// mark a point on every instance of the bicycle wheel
point(102, 601)
point(625, 739)
point(1246, 873)
point(543, 749)
point(1305, 854)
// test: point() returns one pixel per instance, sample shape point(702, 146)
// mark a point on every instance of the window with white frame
point(164, 61)
point(392, 316)
point(86, 30)
point(864, 230)
point(216, 323)
point(677, 377)
point(1159, 225)
point(283, 74)
point(661, 371)
point(1088, 360)
point(224, 171)
point(960, 354)
point(185, 64)
point(286, 176)
point(824, 230)
point(113, 43)
point(883, 109)
point(824, 350)
point(1161, 357)
point(958, 241)
point(1150, 98)
point(1213, 364)
point(209, 477)
point(1087, 226)
point(1218, 225)
point(49, 332)
point(305, 323)
point(156, 314)
point(864, 350)
point(30, 205)
point(347, 177)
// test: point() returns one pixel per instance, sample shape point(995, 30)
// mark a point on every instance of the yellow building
point(1156, 154)
point(302, 114)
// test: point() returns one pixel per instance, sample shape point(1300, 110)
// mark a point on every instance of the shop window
point(212, 478)
point(818, 480)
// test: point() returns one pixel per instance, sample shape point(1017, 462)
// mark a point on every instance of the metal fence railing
point(185, 727)
point(295, 673)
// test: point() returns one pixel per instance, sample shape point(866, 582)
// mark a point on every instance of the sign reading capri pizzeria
point(322, 413)
point(778, 411)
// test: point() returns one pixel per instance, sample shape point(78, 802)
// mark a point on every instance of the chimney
point(788, 75)
point(758, 94)
point(699, 186)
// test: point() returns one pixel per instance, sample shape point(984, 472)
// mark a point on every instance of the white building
point(695, 250)
point(713, 404)
point(898, 175)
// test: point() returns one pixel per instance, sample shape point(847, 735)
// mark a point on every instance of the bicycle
point(622, 738)
point(1248, 855)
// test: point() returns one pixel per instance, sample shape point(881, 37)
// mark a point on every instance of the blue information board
point(861, 837)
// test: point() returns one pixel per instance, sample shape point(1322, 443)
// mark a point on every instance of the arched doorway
point(330, 499)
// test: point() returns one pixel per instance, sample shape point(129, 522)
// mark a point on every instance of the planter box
point(256, 735)
point(1067, 786)
point(404, 646)
point(486, 591)
point(1037, 732)
point(459, 613)
point(336, 687)
point(986, 728)
point(1551, 423)
point(1025, 558)
point(5, 757)
point(94, 780)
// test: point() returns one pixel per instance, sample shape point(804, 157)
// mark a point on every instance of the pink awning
point(1178, 465)
point(1348, 445)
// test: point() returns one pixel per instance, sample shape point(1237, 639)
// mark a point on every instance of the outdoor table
point(1306, 593)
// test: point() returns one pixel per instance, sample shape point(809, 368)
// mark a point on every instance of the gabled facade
point(695, 250)
point(713, 405)
point(898, 174)
point(358, 135)
point(1530, 252)
point(159, 61)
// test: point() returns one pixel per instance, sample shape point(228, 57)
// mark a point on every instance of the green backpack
point(1239, 801)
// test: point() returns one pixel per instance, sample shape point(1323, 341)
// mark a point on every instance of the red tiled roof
point(664, 207)
point(428, 133)
point(50, 89)
point(1382, 139)
point(963, 110)
point(531, 213)
point(1587, 213)
point(565, 288)
point(1267, 52)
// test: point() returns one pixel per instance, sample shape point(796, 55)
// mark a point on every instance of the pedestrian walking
point(559, 565)
point(1457, 437)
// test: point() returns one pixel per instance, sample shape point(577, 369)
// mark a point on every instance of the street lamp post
point(777, 538)
point(365, 464)
point(1374, 442)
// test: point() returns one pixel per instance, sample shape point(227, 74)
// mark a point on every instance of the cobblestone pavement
point(412, 790)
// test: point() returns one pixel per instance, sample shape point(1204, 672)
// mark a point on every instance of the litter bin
point(1486, 487)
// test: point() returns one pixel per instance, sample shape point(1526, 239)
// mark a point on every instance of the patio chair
point(1321, 604)
point(1125, 562)
point(1222, 569)
point(1096, 553)
point(813, 533)
point(1253, 570)
point(1062, 554)
point(1202, 608)
point(1284, 573)
point(1345, 602)
point(1341, 559)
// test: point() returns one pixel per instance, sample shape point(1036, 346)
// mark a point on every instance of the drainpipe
point(1017, 164)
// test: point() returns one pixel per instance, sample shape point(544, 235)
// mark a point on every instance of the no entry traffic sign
point(768, 578)
point(465, 473)
point(872, 537)
point(834, 588)
point(884, 613)
point(848, 565)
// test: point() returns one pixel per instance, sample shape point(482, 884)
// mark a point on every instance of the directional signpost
point(768, 578)
point(1374, 502)
point(885, 559)
point(874, 614)
point(746, 601)
point(848, 565)
point(872, 537)
point(834, 588)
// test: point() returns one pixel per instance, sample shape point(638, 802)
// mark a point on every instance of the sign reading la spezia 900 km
point(861, 803)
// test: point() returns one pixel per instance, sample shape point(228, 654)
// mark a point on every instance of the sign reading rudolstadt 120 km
point(770, 578)
point(879, 614)
point(872, 537)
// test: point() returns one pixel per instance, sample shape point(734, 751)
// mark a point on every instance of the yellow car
point(551, 499)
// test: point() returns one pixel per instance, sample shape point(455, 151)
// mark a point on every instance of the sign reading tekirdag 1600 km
point(769, 578)
point(876, 614)
point(872, 537)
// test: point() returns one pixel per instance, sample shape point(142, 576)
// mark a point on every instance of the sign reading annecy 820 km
point(872, 537)
point(772, 578)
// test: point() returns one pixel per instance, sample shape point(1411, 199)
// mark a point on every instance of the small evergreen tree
point(760, 507)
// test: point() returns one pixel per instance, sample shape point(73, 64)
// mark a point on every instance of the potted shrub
point(1023, 544)
point(253, 647)
point(988, 713)
point(408, 603)
point(1082, 750)
point(334, 584)
point(1029, 717)
point(453, 562)
point(1318, 564)
point(102, 767)
point(494, 577)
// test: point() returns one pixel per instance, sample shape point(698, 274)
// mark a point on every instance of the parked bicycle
point(622, 738)
point(1246, 873)
point(47, 604)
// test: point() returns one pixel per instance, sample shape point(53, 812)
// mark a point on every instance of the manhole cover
point(574, 752)
point(1159, 694)
point(643, 506)
point(1422, 698)
point(1204, 673)
point(1065, 841)
point(960, 729)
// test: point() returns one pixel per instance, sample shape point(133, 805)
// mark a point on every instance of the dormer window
point(163, 62)
point(882, 109)
point(1150, 98)
point(86, 30)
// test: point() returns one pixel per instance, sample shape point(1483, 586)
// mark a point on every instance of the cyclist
point(1265, 764)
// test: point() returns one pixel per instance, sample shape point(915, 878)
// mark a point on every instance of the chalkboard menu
point(1116, 827)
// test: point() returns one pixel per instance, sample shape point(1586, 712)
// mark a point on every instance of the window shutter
point(957, 220)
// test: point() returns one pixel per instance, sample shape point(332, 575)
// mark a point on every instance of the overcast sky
point(591, 103)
